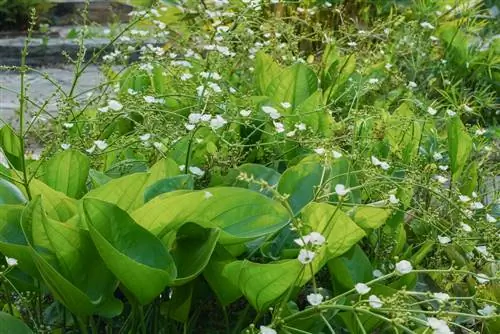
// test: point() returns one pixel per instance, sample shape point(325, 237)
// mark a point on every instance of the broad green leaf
point(343, 172)
point(10, 194)
point(369, 217)
point(167, 185)
point(263, 284)
point(57, 205)
point(403, 132)
point(98, 178)
point(67, 172)
point(179, 305)
point(136, 257)
point(459, 146)
point(12, 325)
point(351, 268)
point(336, 76)
point(12, 241)
point(300, 182)
point(313, 114)
point(192, 250)
point(265, 71)
point(294, 85)
point(241, 214)
point(69, 264)
point(258, 173)
point(11, 146)
point(127, 192)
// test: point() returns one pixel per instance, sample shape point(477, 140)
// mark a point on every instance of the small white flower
point(149, 99)
point(159, 146)
point(302, 241)
point(388, 66)
point(480, 132)
point(11, 262)
point(487, 310)
point(477, 206)
point(115, 105)
point(291, 133)
point(483, 250)
point(467, 108)
point(245, 112)
point(466, 227)
point(189, 127)
point(103, 109)
point(101, 144)
point(300, 126)
point(68, 125)
point(373, 81)
point(145, 137)
point(279, 127)
point(267, 330)
point(437, 156)
point(132, 92)
point(482, 278)
point(341, 190)
point(306, 256)
point(315, 298)
point(272, 112)
point(490, 218)
point(393, 199)
point(352, 44)
point(439, 326)
point(412, 84)
point(207, 194)
point(316, 238)
point(443, 240)
point(443, 167)
point(441, 179)
point(65, 146)
point(464, 198)
point(196, 171)
point(186, 76)
point(336, 154)
point(382, 164)
point(441, 296)
point(450, 113)
point(91, 150)
point(377, 273)
point(319, 150)
point(403, 267)
point(431, 111)
point(426, 25)
point(286, 105)
point(217, 122)
point(362, 288)
point(375, 302)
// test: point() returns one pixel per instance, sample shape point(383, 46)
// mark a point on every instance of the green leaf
point(10, 194)
point(300, 182)
point(258, 173)
point(459, 146)
point(67, 172)
point(167, 185)
point(403, 132)
point(69, 264)
point(241, 214)
point(127, 192)
point(136, 257)
point(294, 85)
point(351, 268)
point(11, 146)
point(57, 205)
point(265, 71)
point(343, 172)
point(369, 217)
point(179, 305)
point(12, 325)
point(192, 250)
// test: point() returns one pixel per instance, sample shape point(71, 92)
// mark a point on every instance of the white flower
point(341, 190)
point(279, 127)
point(68, 125)
point(65, 146)
point(477, 206)
point(403, 267)
point(439, 326)
point(101, 144)
point(393, 199)
point(11, 261)
point(377, 273)
point(373, 81)
point(426, 25)
point(444, 240)
point(412, 84)
point(482, 278)
point(315, 298)
point(467, 108)
point(245, 112)
point(158, 145)
point(300, 126)
point(382, 164)
point(306, 256)
point(450, 113)
point(483, 250)
point(320, 150)
point(196, 171)
point(316, 238)
point(375, 302)
point(291, 133)
point(432, 111)
point(115, 105)
point(352, 44)
point(217, 122)
point(490, 218)
point(267, 330)
point(189, 127)
point(443, 167)
point(487, 310)
point(186, 76)
point(437, 156)
point(441, 179)
point(149, 99)
point(103, 109)
point(91, 150)
point(362, 288)
point(302, 241)
point(480, 132)
point(336, 154)
point(207, 194)
point(286, 105)
point(441, 296)
point(272, 112)
point(388, 66)
point(145, 137)
point(131, 92)
point(464, 198)
point(466, 227)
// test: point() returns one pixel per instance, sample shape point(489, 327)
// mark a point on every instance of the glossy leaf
point(369, 217)
point(351, 268)
point(10, 194)
point(265, 71)
point(67, 172)
point(459, 146)
point(57, 205)
point(167, 185)
point(12, 325)
point(258, 173)
point(11, 146)
point(136, 257)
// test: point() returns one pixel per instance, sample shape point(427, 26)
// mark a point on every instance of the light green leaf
point(369, 217)
point(351, 268)
point(258, 173)
point(459, 146)
point(10, 194)
point(11, 146)
point(265, 71)
point(57, 205)
point(136, 257)
point(167, 185)
point(67, 172)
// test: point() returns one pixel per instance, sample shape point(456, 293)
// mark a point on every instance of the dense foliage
point(264, 167)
